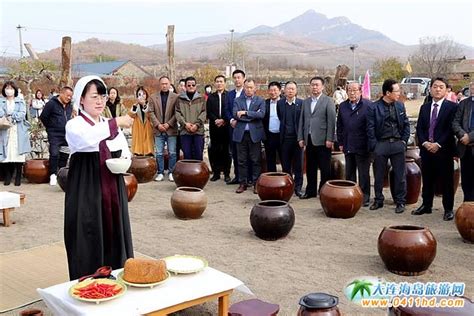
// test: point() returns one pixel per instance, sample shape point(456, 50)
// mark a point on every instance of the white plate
point(181, 264)
point(150, 285)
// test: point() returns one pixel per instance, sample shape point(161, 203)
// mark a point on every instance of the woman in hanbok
point(96, 222)
point(143, 141)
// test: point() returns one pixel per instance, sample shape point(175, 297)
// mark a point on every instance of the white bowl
point(118, 165)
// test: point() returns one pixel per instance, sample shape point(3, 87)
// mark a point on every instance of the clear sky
point(145, 22)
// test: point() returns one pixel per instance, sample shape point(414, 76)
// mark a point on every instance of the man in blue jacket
point(54, 117)
point(352, 138)
point(249, 111)
point(388, 131)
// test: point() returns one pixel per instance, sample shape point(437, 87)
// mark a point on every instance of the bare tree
point(434, 56)
point(236, 50)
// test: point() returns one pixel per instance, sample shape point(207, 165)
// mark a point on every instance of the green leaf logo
point(361, 286)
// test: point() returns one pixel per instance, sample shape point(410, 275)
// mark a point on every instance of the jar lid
point(319, 300)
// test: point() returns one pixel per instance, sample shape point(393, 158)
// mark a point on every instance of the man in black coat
point(388, 131)
point(54, 117)
point(219, 157)
point(289, 111)
point(436, 137)
point(463, 127)
point(352, 138)
point(271, 124)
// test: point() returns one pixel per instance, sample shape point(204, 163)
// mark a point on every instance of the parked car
point(423, 81)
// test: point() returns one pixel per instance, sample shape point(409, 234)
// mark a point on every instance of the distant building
point(463, 71)
point(4, 73)
point(110, 68)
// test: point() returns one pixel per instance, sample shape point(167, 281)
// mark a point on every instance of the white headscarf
point(79, 88)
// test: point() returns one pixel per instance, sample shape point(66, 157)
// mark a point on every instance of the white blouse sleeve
point(83, 137)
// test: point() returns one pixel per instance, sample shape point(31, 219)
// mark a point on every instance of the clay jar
point(407, 249)
point(319, 304)
point(413, 152)
point(188, 202)
point(131, 184)
point(275, 186)
point(191, 173)
point(144, 168)
point(37, 170)
point(341, 198)
point(32, 312)
point(62, 178)
point(272, 219)
point(338, 165)
point(465, 221)
point(413, 178)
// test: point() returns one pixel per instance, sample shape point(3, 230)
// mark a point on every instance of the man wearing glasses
point(191, 115)
point(388, 131)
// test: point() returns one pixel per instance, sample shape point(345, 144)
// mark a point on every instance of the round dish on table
point(150, 285)
point(97, 290)
point(182, 264)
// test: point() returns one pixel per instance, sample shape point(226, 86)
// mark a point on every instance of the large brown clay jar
point(62, 178)
point(131, 184)
point(144, 168)
point(465, 221)
point(191, 173)
point(413, 152)
point(188, 202)
point(413, 178)
point(466, 310)
point(341, 198)
point(275, 186)
point(338, 166)
point(319, 304)
point(37, 170)
point(271, 220)
point(407, 249)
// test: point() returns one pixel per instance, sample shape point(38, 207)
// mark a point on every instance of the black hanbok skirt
point(87, 246)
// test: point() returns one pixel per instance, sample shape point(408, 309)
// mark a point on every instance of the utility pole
point(19, 27)
point(232, 46)
point(170, 49)
point(353, 48)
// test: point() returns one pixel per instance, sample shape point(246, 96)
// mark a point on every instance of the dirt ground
point(319, 255)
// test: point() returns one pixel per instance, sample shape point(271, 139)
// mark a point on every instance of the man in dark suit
point(239, 78)
point(388, 131)
point(249, 111)
point(463, 127)
point(218, 131)
point(352, 138)
point(437, 149)
point(316, 131)
point(289, 111)
point(271, 124)
point(162, 108)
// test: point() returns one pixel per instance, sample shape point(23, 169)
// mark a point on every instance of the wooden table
point(10, 208)
point(178, 293)
point(223, 307)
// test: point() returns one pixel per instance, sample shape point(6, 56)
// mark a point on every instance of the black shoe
point(366, 204)
point(375, 206)
point(299, 193)
point(400, 208)
point(448, 215)
point(307, 196)
point(233, 181)
point(241, 188)
point(215, 177)
point(422, 210)
point(227, 179)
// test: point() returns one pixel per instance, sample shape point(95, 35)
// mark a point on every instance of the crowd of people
point(86, 125)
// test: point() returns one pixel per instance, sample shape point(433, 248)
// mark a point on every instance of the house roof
point(465, 66)
point(99, 69)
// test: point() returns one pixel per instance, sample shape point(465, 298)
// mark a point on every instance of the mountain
point(93, 48)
